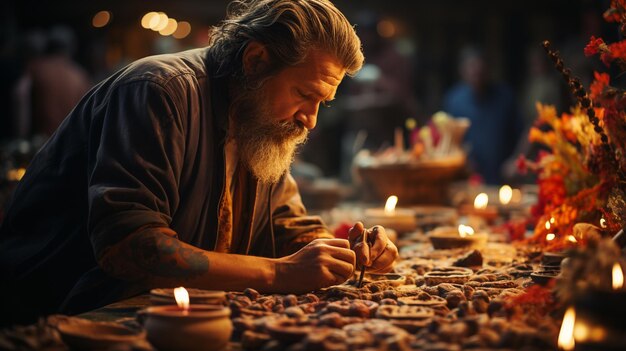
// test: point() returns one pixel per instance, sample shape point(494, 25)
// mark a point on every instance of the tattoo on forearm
point(151, 255)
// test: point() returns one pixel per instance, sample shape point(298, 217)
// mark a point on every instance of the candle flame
point(547, 225)
point(603, 223)
point(390, 205)
point(15, 175)
point(550, 236)
point(571, 238)
point(552, 220)
point(481, 201)
point(566, 335)
point(465, 230)
point(182, 298)
point(506, 194)
point(618, 277)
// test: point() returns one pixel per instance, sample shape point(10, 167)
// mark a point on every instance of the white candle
point(399, 219)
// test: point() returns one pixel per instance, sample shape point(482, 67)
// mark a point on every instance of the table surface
point(118, 311)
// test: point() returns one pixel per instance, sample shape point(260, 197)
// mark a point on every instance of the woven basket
point(413, 183)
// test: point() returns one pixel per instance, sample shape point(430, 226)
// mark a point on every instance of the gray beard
point(266, 147)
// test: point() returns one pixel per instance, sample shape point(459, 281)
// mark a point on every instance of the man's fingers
point(343, 243)
point(355, 232)
point(380, 243)
point(341, 270)
point(362, 252)
point(385, 261)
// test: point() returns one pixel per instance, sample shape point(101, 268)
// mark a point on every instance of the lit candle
point(566, 334)
point(188, 327)
point(182, 299)
point(506, 194)
point(481, 208)
point(617, 277)
point(600, 314)
point(401, 220)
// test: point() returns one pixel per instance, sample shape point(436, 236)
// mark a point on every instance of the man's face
point(270, 122)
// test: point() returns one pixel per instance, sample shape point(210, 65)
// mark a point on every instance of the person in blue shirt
point(491, 107)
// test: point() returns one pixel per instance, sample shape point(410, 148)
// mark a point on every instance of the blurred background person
point(492, 110)
point(51, 85)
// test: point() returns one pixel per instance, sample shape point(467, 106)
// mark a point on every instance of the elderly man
point(174, 171)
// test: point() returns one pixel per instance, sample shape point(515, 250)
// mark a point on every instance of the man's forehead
point(322, 66)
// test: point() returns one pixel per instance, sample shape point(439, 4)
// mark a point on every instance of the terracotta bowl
point(90, 335)
point(424, 182)
point(444, 238)
point(203, 327)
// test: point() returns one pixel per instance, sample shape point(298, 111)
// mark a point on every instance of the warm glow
point(566, 335)
point(149, 20)
point(182, 298)
point(552, 220)
point(618, 276)
point(550, 236)
point(15, 175)
point(101, 19)
point(386, 29)
point(481, 201)
point(547, 225)
point(572, 238)
point(170, 28)
point(390, 205)
point(465, 230)
point(506, 194)
point(183, 30)
point(516, 196)
point(603, 223)
point(161, 23)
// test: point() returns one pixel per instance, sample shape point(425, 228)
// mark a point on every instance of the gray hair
point(288, 29)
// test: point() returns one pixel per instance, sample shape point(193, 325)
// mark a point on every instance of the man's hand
point(321, 263)
point(377, 253)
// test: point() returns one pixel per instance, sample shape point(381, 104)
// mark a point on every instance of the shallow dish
point(544, 277)
point(90, 335)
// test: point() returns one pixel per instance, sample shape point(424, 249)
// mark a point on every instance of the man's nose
point(307, 118)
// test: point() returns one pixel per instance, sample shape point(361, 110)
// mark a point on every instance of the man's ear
point(256, 59)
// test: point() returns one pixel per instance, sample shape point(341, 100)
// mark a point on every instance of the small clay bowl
point(90, 335)
point(552, 259)
point(544, 277)
point(444, 238)
point(202, 327)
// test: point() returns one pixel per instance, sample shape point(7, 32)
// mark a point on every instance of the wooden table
point(118, 311)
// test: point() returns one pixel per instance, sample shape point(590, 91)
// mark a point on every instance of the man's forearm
point(156, 259)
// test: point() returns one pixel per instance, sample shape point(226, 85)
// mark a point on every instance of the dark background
point(430, 33)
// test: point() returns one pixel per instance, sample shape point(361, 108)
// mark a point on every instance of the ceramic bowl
point(90, 335)
point(202, 327)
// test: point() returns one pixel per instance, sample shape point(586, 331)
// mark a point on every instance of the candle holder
point(489, 213)
point(449, 238)
point(201, 327)
point(600, 320)
point(90, 335)
point(402, 220)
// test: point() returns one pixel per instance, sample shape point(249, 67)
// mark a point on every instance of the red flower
point(618, 50)
point(601, 81)
point(594, 46)
point(611, 15)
